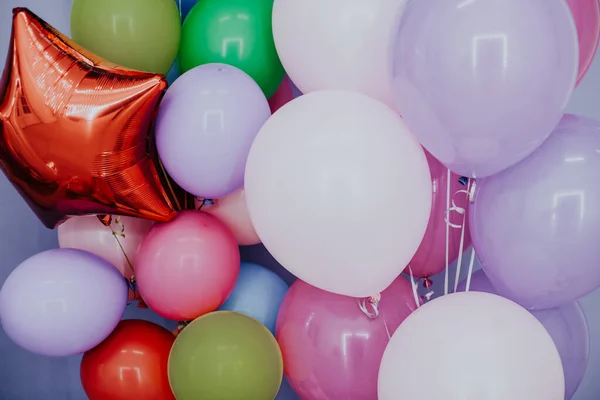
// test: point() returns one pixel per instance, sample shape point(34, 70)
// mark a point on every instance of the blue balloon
point(185, 6)
point(258, 293)
point(173, 73)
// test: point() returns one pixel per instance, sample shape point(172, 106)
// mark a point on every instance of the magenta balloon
point(587, 20)
point(331, 349)
point(567, 326)
point(62, 302)
point(430, 258)
point(535, 226)
point(205, 126)
point(483, 83)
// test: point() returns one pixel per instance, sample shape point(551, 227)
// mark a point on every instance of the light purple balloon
point(206, 124)
point(62, 302)
point(536, 225)
point(567, 326)
point(483, 83)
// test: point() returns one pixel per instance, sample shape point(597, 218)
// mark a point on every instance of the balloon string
point(448, 177)
point(204, 202)
point(470, 273)
point(414, 287)
point(173, 195)
point(373, 301)
point(462, 239)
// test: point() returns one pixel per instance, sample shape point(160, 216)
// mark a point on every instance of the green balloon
point(225, 355)
point(234, 32)
point(137, 34)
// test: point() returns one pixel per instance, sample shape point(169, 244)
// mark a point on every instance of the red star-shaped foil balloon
point(74, 129)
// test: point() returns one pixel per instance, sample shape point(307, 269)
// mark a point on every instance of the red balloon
point(130, 364)
point(283, 95)
point(74, 129)
point(430, 258)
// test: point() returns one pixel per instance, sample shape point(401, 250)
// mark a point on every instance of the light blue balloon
point(258, 293)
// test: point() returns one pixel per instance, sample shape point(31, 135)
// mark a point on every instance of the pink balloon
point(587, 20)
point(430, 258)
point(283, 95)
point(331, 349)
point(233, 212)
point(89, 234)
point(187, 267)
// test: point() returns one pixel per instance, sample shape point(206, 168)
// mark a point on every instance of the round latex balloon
point(283, 95)
point(471, 345)
point(430, 258)
point(225, 356)
point(566, 325)
point(187, 267)
point(587, 20)
point(233, 212)
point(116, 243)
point(258, 293)
point(331, 349)
point(62, 302)
point(338, 44)
point(535, 225)
point(464, 84)
point(326, 187)
point(137, 34)
point(130, 363)
point(205, 126)
point(234, 32)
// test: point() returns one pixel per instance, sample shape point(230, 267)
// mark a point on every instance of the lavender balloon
point(567, 326)
point(483, 83)
point(205, 126)
point(536, 226)
point(62, 302)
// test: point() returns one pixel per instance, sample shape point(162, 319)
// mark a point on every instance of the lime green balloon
point(137, 34)
point(225, 355)
point(234, 32)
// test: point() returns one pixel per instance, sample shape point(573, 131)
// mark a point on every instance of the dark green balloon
point(234, 32)
point(225, 355)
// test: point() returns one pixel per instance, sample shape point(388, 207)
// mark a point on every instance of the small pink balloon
point(283, 95)
point(187, 267)
point(233, 212)
point(430, 258)
point(331, 348)
point(89, 234)
point(587, 20)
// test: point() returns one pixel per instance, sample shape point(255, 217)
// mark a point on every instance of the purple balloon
point(536, 225)
point(483, 83)
point(206, 124)
point(567, 326)
point(62, 302)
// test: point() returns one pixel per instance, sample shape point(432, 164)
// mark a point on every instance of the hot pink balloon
point(587, 20)
point(233, 212)
point(284, 94)
point(331, 349)
point(187, 267)
point(430, 258)
point(89, 234)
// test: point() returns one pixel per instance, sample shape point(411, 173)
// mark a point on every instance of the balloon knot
point(427, 283)
point(370, 306)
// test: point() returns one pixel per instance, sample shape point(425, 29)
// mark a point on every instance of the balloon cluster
point(424, 126)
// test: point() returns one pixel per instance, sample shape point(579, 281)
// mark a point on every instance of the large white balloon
point(339, 191)
point(338, 44)
point(471, 346)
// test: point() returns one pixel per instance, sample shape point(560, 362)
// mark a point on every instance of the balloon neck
point(427, 283)
point(180, 326)
point(471, 193)
point(370, 306)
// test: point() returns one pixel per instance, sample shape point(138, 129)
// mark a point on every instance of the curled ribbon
point(456, 208)
point(373, 302)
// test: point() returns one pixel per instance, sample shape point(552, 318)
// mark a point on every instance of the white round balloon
point(338, 44)
point(339, 191)
point(471, 346)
